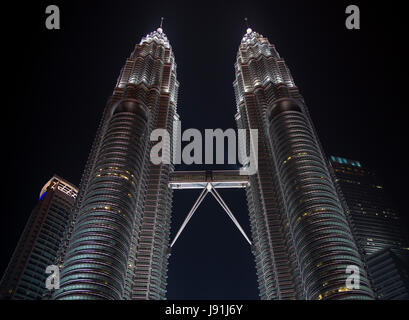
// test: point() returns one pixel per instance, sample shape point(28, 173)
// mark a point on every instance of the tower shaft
point(116, 246)
point(303, 242)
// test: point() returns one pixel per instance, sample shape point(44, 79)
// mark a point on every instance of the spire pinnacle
point(247, 25)
point(160, 30)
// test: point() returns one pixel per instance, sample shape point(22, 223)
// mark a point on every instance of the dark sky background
point(56, 84)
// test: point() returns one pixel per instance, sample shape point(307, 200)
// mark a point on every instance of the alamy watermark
point(53, 19)
point(353, 20)
point(243, 146)
point(53, 280)
point(353, 280)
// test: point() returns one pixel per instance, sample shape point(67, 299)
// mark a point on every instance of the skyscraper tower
point(24, 278)
point(302, 241)
point(116, 246)
point(377, 227)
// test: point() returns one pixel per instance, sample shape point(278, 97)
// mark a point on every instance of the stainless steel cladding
point(113, 249)
point(303, 244)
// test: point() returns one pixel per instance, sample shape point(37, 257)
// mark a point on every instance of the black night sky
point(56, 84)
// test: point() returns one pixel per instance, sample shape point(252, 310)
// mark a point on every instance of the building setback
point(38, 246)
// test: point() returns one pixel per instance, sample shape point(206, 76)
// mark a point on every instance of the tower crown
point(251, 37)
point(158, 36)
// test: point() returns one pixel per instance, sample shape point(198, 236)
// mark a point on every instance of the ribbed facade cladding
point(114, 229)
point(275, 262)
point(96, 261)
point(275, 274)
point(306, 237)
point(24, 278)
point(152, 255)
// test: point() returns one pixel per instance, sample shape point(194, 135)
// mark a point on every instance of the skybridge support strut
point(209, 188)
point(190, 214)
point(220, 200)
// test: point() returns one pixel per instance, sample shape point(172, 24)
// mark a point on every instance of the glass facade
point(389, 273)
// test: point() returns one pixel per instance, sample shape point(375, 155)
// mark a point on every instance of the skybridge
point(208, 182)
point(200, 179)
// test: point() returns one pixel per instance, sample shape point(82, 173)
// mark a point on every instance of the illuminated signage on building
point(346, 161)
point(61, 185)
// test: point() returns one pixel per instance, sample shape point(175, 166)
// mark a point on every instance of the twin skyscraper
point(116, 244)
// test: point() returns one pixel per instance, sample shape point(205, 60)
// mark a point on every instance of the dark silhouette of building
point(376, 225)
point(389, 272)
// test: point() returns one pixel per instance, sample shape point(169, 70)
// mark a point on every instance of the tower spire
point(160, 30)
point(247, 25)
